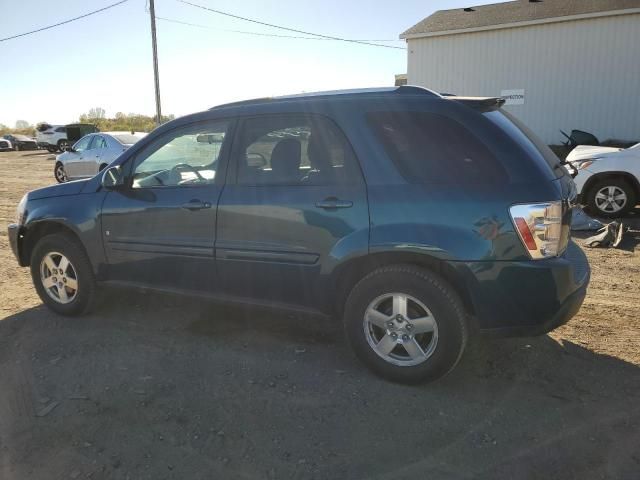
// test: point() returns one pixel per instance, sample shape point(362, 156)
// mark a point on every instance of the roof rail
point(403, 90)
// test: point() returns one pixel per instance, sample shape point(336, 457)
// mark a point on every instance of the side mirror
point(112, 178)
point(69, 148)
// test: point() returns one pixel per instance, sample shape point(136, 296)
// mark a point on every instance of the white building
point(562, 64)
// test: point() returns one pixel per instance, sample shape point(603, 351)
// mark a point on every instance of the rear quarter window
point(431, 148)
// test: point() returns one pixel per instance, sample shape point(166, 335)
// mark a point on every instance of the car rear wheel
point(62, 274)
point(59, 173)
point(406, 324)
point(612, 197)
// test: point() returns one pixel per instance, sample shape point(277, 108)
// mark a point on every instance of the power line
point(66, 21)
point(262, 34)
point(319, 35)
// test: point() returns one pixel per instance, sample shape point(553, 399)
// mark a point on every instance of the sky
point(105, 60)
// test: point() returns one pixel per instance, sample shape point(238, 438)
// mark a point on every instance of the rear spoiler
point(481, 103)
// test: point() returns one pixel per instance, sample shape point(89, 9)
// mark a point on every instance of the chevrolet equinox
point(419, 219)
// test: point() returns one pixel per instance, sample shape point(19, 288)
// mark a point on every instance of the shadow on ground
point(159, 387)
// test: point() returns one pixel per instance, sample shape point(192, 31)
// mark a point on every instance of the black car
point(21, 142)
point(420, 220)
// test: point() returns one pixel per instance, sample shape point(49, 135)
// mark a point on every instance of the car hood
point(582, 152)
point(60, 190)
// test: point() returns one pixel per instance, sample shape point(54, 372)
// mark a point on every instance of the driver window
point(186, 157)
point(82, 144)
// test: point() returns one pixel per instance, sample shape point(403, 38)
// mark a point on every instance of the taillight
point(539, 226)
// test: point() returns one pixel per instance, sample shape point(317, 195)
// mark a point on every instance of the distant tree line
point(97, 116)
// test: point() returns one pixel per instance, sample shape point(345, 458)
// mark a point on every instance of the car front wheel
point(611, 198)
point(59, 173)
point(406, 324)
point(62, 274)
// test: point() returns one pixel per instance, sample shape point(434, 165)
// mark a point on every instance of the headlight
point(21, 210)
point(584, 164)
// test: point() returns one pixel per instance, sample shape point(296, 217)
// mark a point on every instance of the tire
point(442, 347)
point(48, 253)
point(621, 197)
point(59, 173)
point(52, 149)
point(62, 144)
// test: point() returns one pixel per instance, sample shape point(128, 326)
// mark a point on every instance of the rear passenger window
point(294, 150)
point(431, 148)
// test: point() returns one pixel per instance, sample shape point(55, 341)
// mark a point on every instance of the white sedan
point(92, 153)
point(608, 179)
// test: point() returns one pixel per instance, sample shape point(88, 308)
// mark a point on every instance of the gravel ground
point(154, 387)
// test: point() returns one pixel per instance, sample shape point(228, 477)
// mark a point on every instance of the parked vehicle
point(56, 138)
point(420, 220)
point(5, 145)
point(92, 153)
point(51, 137)
point(21, 142)
point(608, 179)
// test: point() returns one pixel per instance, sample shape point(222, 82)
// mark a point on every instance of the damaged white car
point(608, 179)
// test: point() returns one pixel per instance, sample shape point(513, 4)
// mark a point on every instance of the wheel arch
point(346, 275)
point(594, 179)
point(33, 233)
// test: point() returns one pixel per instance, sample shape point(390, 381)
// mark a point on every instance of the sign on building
point(513, 97)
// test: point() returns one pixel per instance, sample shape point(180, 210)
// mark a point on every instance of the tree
point(96, 113)
point(22, 125)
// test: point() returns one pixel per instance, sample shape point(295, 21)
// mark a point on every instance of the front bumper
point(530, 297)
point(14, 232)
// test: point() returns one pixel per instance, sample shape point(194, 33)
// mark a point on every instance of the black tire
point(73, 250)
point(59, 173)
point(435, 293)
point(617, 183)
point(62, 144)
point(52, 149)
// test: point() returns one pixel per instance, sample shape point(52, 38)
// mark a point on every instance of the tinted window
point(431, 148)
point(294, 150)
point(187, 156)
point(61, 130)
point(518, 131)
point(83, 144)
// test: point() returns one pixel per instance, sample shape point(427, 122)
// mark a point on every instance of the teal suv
point(418, 219)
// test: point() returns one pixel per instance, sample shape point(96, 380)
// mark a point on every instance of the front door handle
point(196, 205)
point(333, 202)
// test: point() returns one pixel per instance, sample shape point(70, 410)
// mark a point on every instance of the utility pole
point(152, 14)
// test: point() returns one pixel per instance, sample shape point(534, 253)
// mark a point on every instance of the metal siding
point(581, 74)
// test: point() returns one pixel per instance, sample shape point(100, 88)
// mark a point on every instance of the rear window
point(528, 140)
point(61, 130)
point(431, 148)
point(126, 139)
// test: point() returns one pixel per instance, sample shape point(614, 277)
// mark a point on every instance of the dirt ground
point(154, 387)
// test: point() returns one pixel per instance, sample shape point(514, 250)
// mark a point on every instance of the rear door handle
point(333, 202)
point(196, 205)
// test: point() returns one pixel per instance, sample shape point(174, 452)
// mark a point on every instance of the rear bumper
point(14, 232)
point(530, 297)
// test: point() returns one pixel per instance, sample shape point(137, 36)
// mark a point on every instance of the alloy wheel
point(400, 329)
point(59, 277)
point(61, 176)
point(610, 199)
